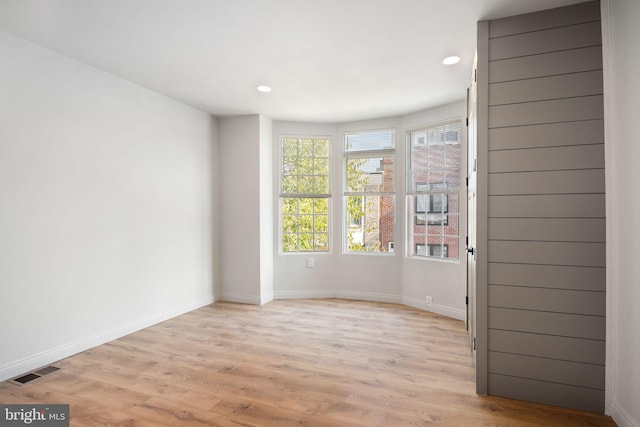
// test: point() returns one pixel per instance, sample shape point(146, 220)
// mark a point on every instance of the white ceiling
point(326, 60)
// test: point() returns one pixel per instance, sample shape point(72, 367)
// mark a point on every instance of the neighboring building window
point(369, 191)
point(437, 251)
point(434, 191)
point(305, 194)
point(431, 209)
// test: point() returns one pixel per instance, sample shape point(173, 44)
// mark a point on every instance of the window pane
point(382, 140)
point(438, 160)
point(289, 166)
point(321, 185)
point(289, 242)
point(289, 184)
point(305, 147)
point(305, 206)
point(453, 225)
point(305, 224)
point(305, 242)
point(305, 171)
point(321, 206)
point(289, 206)
point(321, 148)
point(305, 184)
point(305, 166)
point(435, 164)
point(370, 223)
point(370, 174)
point(290, 147)
point(321, 223)
point(355, 210)
point(321, 242)
point(369, 168)
point(422, 203)
point(290, 223)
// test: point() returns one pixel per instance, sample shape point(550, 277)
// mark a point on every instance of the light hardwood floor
point(289, 363)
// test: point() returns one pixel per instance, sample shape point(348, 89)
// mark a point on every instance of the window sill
point(433, 259)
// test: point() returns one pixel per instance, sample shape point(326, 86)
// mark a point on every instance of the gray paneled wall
point(546, 206)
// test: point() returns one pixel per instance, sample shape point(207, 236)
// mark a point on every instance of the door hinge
point(475, 75)
point(466, 300)
point(466, 241)
point(466, 181)
point(467, 121)
point(474, 343)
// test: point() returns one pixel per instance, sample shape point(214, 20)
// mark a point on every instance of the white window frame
point(429, 190)
point(384, 152)
point(283, 195)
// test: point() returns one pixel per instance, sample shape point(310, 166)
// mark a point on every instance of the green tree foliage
point(359, 208)
point(305, 171)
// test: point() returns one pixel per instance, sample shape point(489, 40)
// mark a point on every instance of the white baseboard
point(621, 417)
point(435, 308)
point(240, 298)
point(61, 352)
point(361, 296)
point(303, 294)
point(367, 296)
point(265, 299)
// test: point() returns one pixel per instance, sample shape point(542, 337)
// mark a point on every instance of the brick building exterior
point(434, 209)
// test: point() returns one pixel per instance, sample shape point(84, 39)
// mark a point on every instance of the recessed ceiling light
point(450, 60)
point(264, 89)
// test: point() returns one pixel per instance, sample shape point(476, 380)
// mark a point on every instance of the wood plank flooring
point(318, 363)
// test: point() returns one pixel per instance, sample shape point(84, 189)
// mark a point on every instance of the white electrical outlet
point(311, 262)
point(429, 300)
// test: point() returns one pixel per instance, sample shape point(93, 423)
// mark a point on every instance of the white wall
point(390, 278)
point(624, 207)
point(239, 138)
point(246, 209)
point(266, 210)
point(107, 207)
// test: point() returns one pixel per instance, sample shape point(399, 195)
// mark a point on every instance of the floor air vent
point(27, 378)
